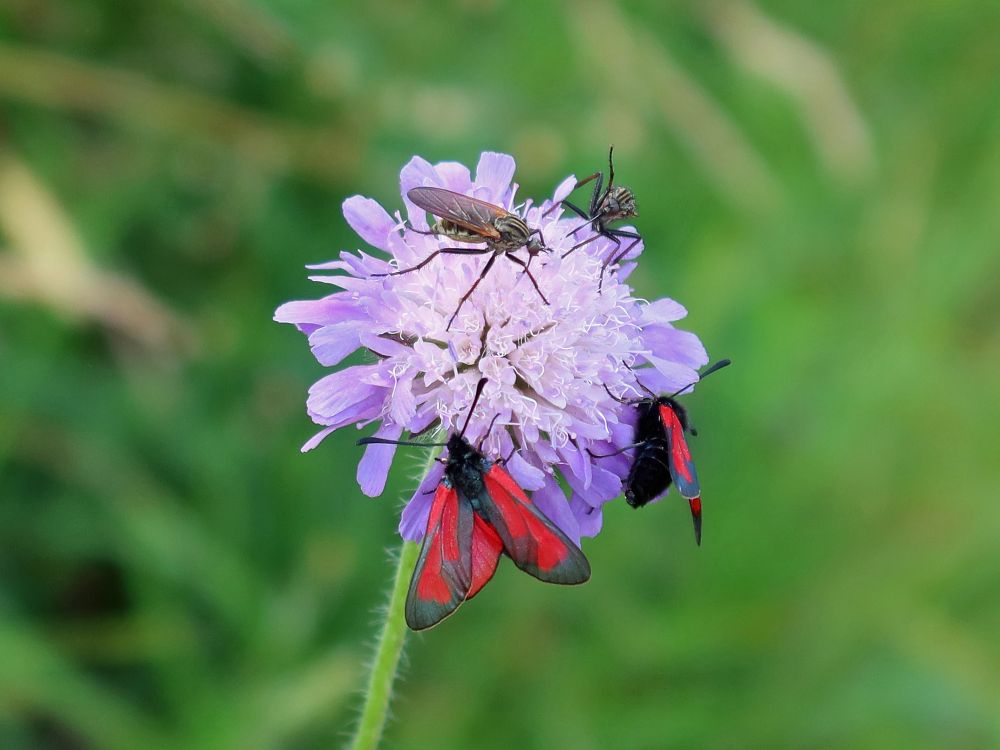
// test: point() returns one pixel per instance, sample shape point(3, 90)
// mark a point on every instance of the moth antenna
point(386, 441)
point(641, 384)
point(475, 400)
point(704, 374)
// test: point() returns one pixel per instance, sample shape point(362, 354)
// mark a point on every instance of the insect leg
point(486, 270)
point(614, 234)
point(429, 258)
point(597, 197)
point(581, 244)
point(534, 283)
point(579, 184)
point(615, 453)
point(579, 212)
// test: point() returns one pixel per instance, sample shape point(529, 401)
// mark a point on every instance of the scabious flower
point(551, 369)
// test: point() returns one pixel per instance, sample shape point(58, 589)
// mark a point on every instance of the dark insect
point(479, 512)
point(607, 205)
point(465, 219)
point(662, 455)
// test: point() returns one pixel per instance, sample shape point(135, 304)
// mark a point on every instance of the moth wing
point(533, 542)
point(443, 574)
point(682, 466)
point(486, 549)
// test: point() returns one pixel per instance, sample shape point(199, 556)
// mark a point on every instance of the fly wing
point(682, 465)
point(486, 549)
point(470, 213)
point(443, 573)
point(532, 541)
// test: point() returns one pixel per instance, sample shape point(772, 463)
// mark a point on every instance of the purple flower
point(549, 367)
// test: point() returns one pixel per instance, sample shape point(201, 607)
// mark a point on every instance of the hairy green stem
point(390, 647)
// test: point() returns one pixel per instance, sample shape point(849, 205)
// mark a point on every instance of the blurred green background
point(818, 183)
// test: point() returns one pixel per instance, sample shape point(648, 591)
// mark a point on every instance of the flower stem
point(390, 647)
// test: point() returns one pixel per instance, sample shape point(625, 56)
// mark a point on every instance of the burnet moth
point(462, 218)
point(662, 456)
point(479, 512)
point(607, 204)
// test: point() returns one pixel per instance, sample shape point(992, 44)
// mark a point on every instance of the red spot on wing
point(486, 549)
point(534, 543)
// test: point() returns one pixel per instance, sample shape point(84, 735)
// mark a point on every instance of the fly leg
point(486, 270)
point(524, 265)
point(443, 250)
point(614, 234)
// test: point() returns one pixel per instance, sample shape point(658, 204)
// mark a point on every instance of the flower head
point(551, 368)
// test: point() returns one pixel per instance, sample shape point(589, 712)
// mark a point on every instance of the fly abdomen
point(455, 232)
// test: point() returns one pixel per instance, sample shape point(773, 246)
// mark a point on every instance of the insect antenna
point(704, 374)
point(386, 441)
point(475, 400)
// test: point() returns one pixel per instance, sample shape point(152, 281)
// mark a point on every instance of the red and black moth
point(478, 513)
point(463, 218)
point(662, 455)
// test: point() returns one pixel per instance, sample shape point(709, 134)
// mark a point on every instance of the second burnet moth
point(662, 456)
point(478, 513)
point(462, 218)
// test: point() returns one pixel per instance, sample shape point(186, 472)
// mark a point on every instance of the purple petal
point(366, 217)
point(578, 463)
point(564, 188)
point(454, 176)
point(331, 344)
point(423, 419)
point(368, 408)
point(663, 310)
point(384, 346)
point(418, 172)
point(331, 395)
point(683, 347)
point(413, 521)
point(605, 486)
point(552, 502)
point(589, 519)
point(528, 476)
point(317, 438)
point(493, 175)
point(403, 404)
point(335, 308)
point(373, 469)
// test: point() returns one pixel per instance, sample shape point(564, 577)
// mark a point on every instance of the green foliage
point(816, 182)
